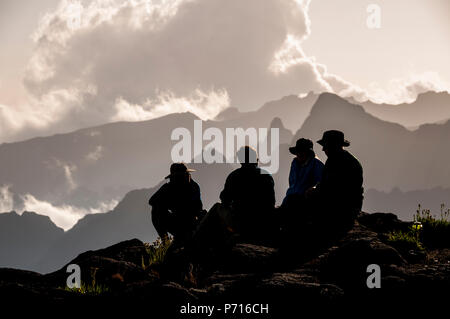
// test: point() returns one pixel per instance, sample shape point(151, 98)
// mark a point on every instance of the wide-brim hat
point(302, 144)
point(333, 137)
point(178, 168)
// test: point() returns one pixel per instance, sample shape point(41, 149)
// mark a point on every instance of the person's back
point(181, 200)
point(340, 190)
point(249, 189)
point(342, 181)
point(249, 194)
point(177, 205)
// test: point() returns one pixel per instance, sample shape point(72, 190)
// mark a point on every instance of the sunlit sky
point(414, 38)
point(411, 45)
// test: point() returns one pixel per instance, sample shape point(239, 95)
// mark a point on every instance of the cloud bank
point(64, 216)
point(101, 61)
point(110, 60)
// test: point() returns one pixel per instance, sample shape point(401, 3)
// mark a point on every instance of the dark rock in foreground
point(250, 274)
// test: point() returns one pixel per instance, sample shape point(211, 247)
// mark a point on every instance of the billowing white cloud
point(64, 216)
point(37, 115)
point(204, 105)
point(6, 199)
point(107, 60)
point(399, 90)
point(99, 61)
point(406, 89)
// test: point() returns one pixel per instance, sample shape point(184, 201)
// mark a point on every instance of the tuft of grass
point(436, 229)
point(91, 290)
point(157, 251)
point(405, 241)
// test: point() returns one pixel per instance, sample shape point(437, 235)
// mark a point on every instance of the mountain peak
point(330, 102)
point(431, 95)
point(276, 122)
point(228, 114)
point(330, 97)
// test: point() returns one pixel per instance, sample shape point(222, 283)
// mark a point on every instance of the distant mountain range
point(428, 108)
point(406, 204)
point(92, 165)
point(131, 218)
point(292, 110)
point(33, 242)
point(25, 238)
point(391, 155)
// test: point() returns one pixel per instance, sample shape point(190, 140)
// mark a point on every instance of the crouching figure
point(177, 206)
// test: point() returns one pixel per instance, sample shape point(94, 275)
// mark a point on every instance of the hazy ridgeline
point(402, 168)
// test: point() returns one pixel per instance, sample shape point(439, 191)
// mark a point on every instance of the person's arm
point(159, 220)
point(267, 188)
point(157, 197)
point(318, 171)
point(292, 177)
point(197, 198)
point(159, 211)
point(271, 191)
point(226, 194)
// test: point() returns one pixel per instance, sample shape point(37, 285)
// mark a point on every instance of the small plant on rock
point(405, 241)
point(436, 230)
point(157, 250)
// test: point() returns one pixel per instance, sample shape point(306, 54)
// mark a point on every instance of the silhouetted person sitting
point(329, 209)
point(340, 192)
point(248, 201)
point(177, 205)
point(306, 172)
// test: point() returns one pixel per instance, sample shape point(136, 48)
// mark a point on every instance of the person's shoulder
point(349, 155)
point(159, 193)
point(162, 188)
point(265, 174)
point(236, 172)
point(195, 185)
point(351, 158)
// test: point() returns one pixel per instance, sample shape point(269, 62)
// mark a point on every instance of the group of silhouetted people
point(322, 200)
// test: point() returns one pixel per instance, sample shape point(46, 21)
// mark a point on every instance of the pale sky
point(18, 20)
point(142, 61)
point(414, 38)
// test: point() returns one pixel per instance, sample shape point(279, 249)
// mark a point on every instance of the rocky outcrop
point(249, 273)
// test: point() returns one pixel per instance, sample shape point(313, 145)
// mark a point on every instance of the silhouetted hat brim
point(293, 150)
point(187, 171)
point(342, 143)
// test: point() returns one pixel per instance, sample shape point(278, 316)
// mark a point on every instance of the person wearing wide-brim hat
point(177, 206)
point(333, 138)
point(340, 190)
point(179, 170)
point(306, 170)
